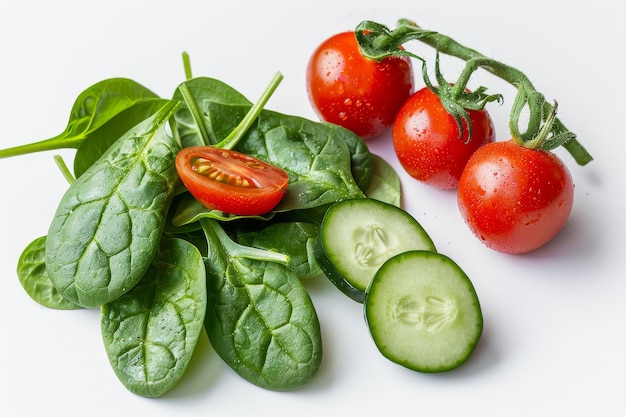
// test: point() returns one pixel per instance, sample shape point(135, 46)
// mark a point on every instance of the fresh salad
point(206, 211)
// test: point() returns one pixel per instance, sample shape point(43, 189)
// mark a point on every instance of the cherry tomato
point(427, 142)
point(355, 92)
point(231, 181)
point(513, 198)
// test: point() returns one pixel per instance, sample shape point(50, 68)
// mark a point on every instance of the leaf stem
point(67, 174)
point(233, 138)
point(187, 66)
point(50, 144)
point(196, 113)
point(211, 227)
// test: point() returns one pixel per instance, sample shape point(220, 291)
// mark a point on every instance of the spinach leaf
point(94, 107)
point(260, 319)
point(296, 239)
point(107, 227)
point(150, 332)
point(100, 139)
point(31, 272)
point(360, 156)
point(315, 156)
point(385, 184)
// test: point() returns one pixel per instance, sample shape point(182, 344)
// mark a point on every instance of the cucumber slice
point(358, 235)
point(423, 312)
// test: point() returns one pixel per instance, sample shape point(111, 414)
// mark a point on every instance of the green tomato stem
point(378, 42)
point(527, 93)
point(539, 109)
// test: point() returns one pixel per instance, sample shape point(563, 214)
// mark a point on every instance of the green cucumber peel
point(357, 236)
point(423, 312)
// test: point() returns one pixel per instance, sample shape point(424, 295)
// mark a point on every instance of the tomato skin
point(232, 182)
point(427, 143)
point(515, 199)
point(355, 92)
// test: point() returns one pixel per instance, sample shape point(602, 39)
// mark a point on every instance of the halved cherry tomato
point(427, 142)
point(355, 92)
point(515, 199)
point(231, 181)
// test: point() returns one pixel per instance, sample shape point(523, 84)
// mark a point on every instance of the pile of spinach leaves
point(129, 239)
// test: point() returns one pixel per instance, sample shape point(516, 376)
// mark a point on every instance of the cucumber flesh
point(357, 236)
point(423, 312)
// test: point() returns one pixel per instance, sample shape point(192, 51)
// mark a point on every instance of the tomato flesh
point(231, 181)
point(355, 92)
point(427, 142)
point(515, 199)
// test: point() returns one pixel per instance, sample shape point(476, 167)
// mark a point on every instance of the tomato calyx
point(545, 132)
point(457, 99)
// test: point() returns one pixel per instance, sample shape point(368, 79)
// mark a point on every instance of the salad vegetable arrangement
point(142, 232)
point(207, 211)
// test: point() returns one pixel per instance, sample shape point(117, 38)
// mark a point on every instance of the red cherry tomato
point(427, 143)
point(355, 92)
point(513, 198)
point(231, 181)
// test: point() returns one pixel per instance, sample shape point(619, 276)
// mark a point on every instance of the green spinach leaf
point(108, 224)
point(317, 159)
point(31, 272)
point(361, 162)
point(93, 108)
point(150, 333)
point(385, 185)
point(260, 319)
point(296, 239)
point(100, 139)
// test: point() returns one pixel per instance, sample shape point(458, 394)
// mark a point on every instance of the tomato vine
point(543, 130)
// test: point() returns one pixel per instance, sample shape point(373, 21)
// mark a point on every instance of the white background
point(553, 341)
